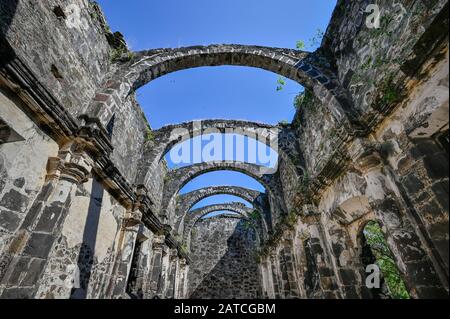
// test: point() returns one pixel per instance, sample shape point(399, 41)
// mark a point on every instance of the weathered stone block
point(49, 218)
point(9, 220)
point(39, 245)
point(441, 191)
point(19, 182)
point(15, 201)
point(348, 277)
point(437, 165)
point(413, 184)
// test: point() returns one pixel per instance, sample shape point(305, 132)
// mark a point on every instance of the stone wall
point(224, 261)
point(22, 169)
point(56, 39)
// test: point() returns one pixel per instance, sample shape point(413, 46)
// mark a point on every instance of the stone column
point(412, 258)
point(267, 279)
point(140, 264)
point(173, 269)
point(125, 248)
point(154, 280)
point(345, 260)
point(291, 284)
point(181, 279)
point(320, 279)
point(275, 275)
point(28, 252)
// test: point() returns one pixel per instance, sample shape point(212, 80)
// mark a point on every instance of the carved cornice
point(143, 201)
point(45, 109)
point(132, 218)
point(72, 163)
point(158, 242)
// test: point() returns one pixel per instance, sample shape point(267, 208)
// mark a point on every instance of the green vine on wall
point(384, 259)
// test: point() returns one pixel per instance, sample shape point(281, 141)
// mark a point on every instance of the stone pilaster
point(154, 280)
point(320, 279)
point(170, 291)
point(275, 271)
point(28, 253)
point(181, 279)
point(122, 265)
point(267, 287)
point(289, 276)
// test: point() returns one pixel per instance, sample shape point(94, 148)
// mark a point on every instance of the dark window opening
point(133, 289)
point(56, 72)
point(443, 140)
point(59, 12)
point(110, 126)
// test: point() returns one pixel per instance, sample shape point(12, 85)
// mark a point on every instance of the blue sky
point(226, 92)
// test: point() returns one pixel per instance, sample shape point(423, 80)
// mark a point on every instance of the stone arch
point(178, 178)
point(345, 229)
point(168, 136)
point(187, 201)
point(195, 215)
point(303, 67)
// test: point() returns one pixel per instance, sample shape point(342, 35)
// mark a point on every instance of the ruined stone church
point(90, 209)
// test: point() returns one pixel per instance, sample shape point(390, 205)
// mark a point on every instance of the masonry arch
point(281, 140)
point(178, 178)
point(303, 67)
point(194, 216)
point(188, 200)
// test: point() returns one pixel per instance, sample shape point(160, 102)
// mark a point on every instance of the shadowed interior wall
point(224, 260)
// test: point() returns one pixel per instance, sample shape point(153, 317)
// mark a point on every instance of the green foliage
point(247, 225)
point(281, 83)
point(384, 259)
point(313, 42)
point(166, 178)
point(121, 53)
point(390, 95)
point(150, 137)
point(291, 219)
point(255, 215)
point(283, 123)
point(385, 21)
point(300, 45)
point(316, 40)
point(304, 183)
point(303, 99)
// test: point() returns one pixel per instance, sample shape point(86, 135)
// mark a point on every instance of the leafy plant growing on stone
point(281, 83)
point(255, 215)
point(384, 259)
point(300, 45)
point(303, 100)
point(150, 137)
point(283, 123)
